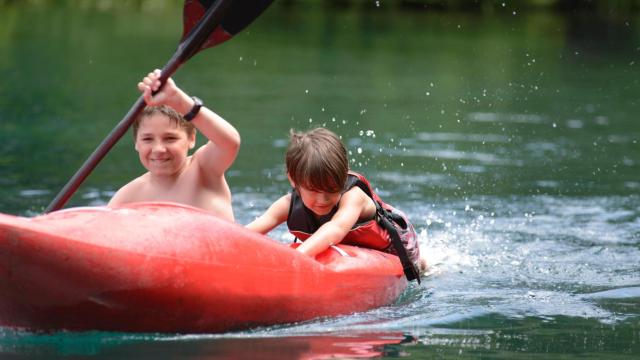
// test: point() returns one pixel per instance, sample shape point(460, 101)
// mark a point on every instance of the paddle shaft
point(186, 49)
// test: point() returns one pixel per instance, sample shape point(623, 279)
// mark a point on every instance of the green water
point(511, 139)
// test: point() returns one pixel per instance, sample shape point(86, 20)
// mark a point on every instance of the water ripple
point(506, 118)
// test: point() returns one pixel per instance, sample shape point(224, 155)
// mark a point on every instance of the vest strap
point(383, 217)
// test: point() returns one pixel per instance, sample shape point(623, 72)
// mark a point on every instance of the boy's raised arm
point(224, 141)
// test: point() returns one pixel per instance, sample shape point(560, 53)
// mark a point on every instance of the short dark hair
point(167, 111)
point(317, 160)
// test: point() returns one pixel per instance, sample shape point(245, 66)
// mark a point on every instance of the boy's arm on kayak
point(274, 216)
point(333, 231)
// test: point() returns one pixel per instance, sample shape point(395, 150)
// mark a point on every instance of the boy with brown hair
point(163, 138)
point(330, 204)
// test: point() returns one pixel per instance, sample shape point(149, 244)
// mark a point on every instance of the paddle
point(206, 23)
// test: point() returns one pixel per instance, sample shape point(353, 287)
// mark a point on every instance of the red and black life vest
point(373, 233)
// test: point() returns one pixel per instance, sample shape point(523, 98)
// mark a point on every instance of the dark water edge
point(486, 336)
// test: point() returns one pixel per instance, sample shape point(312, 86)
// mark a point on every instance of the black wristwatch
point(197, 104)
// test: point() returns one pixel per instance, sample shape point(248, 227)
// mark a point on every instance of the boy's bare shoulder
point(128, 193)
point(355, 199)
point(138, 183)
point(355, 194)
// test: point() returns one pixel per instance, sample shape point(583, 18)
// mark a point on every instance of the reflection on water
point(242, 346)
point(512, 143)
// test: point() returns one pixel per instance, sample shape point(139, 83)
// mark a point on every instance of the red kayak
point(161, 267)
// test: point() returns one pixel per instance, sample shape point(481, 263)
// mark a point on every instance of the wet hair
point(167, 111)
point(317, 160)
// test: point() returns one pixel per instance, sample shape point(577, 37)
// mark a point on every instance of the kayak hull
point(161, 267)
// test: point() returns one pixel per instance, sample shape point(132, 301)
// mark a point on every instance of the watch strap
point(197, 104)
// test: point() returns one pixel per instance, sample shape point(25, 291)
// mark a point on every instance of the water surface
point(510, 140)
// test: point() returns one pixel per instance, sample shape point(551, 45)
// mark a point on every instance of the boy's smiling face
point(162, 145)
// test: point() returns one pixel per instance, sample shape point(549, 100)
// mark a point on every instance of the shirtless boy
point(163, 138)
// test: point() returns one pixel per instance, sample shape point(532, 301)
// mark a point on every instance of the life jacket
point(373, 233)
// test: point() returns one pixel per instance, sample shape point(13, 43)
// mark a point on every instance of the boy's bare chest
point(189, 191)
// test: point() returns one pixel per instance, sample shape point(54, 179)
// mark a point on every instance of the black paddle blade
point(239, 15)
